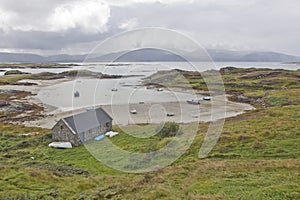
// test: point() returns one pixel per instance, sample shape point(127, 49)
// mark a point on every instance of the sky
point(76, 26)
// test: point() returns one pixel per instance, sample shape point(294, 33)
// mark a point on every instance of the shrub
point(168, 129)
point(276, 101)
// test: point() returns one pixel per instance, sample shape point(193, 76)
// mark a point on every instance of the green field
point(256, 157)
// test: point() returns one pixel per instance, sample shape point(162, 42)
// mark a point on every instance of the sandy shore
point(146, 112)
point(155, 113)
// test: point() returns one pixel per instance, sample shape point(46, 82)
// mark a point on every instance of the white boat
point(133, 111)
point(61, 145)
point(208, 98)
point(160, 89)
point(111, 134)
point(194, 102)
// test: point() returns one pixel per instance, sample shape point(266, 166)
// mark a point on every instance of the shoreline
point(147, 112)
point(150, 113)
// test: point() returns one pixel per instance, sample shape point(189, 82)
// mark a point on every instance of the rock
point(23, 83)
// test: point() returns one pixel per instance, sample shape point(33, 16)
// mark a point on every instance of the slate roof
point(87, 120)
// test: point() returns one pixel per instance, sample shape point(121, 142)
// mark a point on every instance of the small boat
point(89, 109)
point(100, 137)
point(111, 134)
point(60, 145)
point(160, 89)
point(150, 87)
point(133, 111)
point(141, 102)
point(114, 90)
point(208, 98)
point(170, 114)
point(194, 102)
point(76, 94)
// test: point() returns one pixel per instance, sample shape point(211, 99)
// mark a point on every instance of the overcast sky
point(76, 26)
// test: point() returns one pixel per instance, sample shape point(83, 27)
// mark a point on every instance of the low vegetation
point(14, 72)
point(257, 155)
point(12, 77)
point(260, 87)
point(168, 129)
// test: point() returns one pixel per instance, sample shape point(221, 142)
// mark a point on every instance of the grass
point(273, 87)
point(13, 76)
point(257, 157)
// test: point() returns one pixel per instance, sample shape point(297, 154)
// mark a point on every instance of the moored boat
point(208, 98)
point(133, 111)
point(76, 94)
point(194, 102)
point(150, 87)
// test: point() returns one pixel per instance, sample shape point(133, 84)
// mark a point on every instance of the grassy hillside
point(257, 157)
point(256, 86)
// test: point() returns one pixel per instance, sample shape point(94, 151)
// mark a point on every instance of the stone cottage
point(82, 127)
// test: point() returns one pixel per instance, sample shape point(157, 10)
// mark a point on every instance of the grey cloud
point(251, 25)
point(258, 25)
point(46, 40)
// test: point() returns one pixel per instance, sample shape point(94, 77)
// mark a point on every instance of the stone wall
point(62, 133)
point(94, 132)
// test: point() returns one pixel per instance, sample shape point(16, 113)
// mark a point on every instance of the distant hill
point(65, 58)
point(20, 57)
point(152, 55)
point(34, 58)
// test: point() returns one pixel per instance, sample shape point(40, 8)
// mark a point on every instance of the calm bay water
point(99, 92)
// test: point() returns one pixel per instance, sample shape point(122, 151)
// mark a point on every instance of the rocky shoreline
point(15, 107)
point(236, 98)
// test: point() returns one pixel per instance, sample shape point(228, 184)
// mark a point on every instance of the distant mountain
point(64, 58)
point(34, 58)
point(152, 55)
point(251, 56)
point(143, 55)
point(20, 57)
